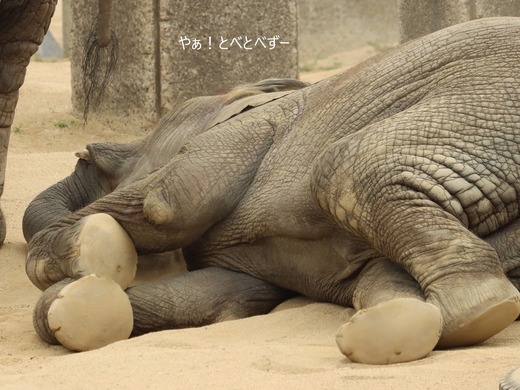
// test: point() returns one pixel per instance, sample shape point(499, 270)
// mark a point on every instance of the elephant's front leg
point(92, 312)
point(83, 314)
point(201, 298)
point(96, 244)
point(167, 210)
point(393, 323)
point(377, 196)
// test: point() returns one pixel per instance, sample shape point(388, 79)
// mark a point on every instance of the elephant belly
point(323, 269)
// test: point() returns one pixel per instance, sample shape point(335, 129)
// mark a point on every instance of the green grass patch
point(62, 124)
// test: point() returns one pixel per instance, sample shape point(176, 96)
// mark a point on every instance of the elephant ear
point(112, 159)
point(245, 97)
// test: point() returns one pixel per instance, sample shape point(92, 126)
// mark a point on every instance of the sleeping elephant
point(23, 24)
point(393, 188)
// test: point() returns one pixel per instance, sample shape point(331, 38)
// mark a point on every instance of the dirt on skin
point(291, 348)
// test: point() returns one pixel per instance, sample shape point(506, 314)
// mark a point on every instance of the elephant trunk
point(76, 191)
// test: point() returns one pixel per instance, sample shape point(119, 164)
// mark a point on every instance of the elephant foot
point(104, 248)
point(474, 308)
point(511, 380)
point(399, 330)
point(96, 244)
point(488, 323)
point(84, 314)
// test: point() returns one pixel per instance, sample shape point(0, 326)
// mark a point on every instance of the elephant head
point(103, 167)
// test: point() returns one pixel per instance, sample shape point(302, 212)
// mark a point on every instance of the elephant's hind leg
point(373, 194)
point(393, 323)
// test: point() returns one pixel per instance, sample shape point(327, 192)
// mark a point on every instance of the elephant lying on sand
point(393, 188)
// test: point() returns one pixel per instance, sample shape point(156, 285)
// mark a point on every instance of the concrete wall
point(155, 72)
point(421, 17)
point(330, 26)
point(222, 63)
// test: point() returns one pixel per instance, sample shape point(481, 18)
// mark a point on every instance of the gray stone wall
point(149, 82)
point(421, 17)
point(232, 36)
point(331, 26)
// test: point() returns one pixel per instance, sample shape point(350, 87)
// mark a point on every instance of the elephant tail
point(100, 59)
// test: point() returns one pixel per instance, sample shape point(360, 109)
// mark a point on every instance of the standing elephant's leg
point(393, 323)
point(22, 27)
point(167, 210)
point(378, 196)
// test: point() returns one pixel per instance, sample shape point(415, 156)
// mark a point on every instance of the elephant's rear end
point(437, 166)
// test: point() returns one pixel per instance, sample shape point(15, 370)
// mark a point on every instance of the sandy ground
point(292, 348)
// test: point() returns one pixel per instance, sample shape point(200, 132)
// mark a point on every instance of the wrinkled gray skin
point(398, 178)
point(22, 27)
point(23, 24)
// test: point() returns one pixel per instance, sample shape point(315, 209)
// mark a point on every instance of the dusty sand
point(292, 348)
